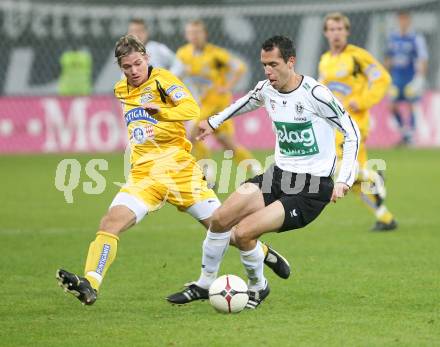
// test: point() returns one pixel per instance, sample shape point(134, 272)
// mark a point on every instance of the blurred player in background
point(155, 105)
point(293, 192)
point(211, 73)
point(359, 81)
point(407, 61)
point(160, 54)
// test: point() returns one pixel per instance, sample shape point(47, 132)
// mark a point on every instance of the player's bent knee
point(241, 237)
point(219, 221)
point(117, 219)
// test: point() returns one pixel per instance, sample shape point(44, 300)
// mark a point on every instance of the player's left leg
point(101, 254)
point(289, 212)
point(409, 134)
point(374, 197)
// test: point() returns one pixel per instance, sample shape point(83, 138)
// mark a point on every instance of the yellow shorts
point(176, 179)
point(211, 107)
point(362, 123)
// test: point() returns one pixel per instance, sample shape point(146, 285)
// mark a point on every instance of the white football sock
point(253, 262)
point(214, 248)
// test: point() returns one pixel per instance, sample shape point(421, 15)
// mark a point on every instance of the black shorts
point(303, 196)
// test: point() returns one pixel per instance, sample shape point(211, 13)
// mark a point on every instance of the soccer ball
point(228, 294)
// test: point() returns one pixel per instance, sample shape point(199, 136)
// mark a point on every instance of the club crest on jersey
point(138, 114)
point(284, 103)
point(272, 104)
point(299, 108)
point(141, 134)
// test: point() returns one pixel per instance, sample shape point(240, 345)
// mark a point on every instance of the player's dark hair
point(284, 44)
point(128, 44)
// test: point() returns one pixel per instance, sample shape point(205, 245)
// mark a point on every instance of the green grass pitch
point(350, 287)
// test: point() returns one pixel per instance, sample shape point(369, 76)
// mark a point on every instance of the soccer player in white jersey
point(160, 55)
point(294, 191)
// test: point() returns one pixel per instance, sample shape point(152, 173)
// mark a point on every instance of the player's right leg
point(125, 211)
point(218, 236)
point(245, 201)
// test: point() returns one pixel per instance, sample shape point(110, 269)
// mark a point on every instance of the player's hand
point(204, 130)
point(339, 191)
point(223, 90)
point(151, 108)
point(354, 106)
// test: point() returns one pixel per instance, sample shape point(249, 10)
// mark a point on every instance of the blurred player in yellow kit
point(155, 105)
point(359, 81)
point(211, 73)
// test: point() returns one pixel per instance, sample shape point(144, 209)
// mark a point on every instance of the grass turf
point(350, 286)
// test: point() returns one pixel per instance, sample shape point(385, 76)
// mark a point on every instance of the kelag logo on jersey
point(137, 114)
point(296, 139)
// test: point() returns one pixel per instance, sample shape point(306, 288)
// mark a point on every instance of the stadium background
point(35, 34)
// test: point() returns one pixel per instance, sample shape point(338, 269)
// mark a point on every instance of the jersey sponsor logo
point(173, 88)
point(373, 72)
point(178, 95)
point(338, 87)
point(145, 98)
point(296, 139)
point(338, 110)
point(138, 114)
point(103, 259)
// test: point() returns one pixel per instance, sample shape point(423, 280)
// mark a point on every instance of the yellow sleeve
point(378, 79)
point(183, 106)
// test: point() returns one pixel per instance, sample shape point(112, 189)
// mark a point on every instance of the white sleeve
point(249, 102)
point(170, 61)
point(329, 108)
point(422, 50)
point(177, 67)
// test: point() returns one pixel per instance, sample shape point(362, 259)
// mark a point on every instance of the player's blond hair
point(198, 22)
point(128, 44)
point(337, 17)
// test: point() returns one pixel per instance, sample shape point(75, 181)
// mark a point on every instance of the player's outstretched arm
point(249, 102)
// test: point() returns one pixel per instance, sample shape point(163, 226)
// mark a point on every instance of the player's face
point(195, 35)
point(277, 71)
point(138, 30)
point(135, 68)
point(336, 33)
point(404, 22)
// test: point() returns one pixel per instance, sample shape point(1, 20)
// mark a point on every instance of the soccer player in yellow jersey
point(155, 105)
point(211, 73)
point(359, 81)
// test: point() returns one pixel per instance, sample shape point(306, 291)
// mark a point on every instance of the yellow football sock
point(201, 151)
point(265, 249)
point(101, 254)
point(372, 203)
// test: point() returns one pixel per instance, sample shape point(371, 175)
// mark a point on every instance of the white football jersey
point(304, 121)
point(162, 56)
